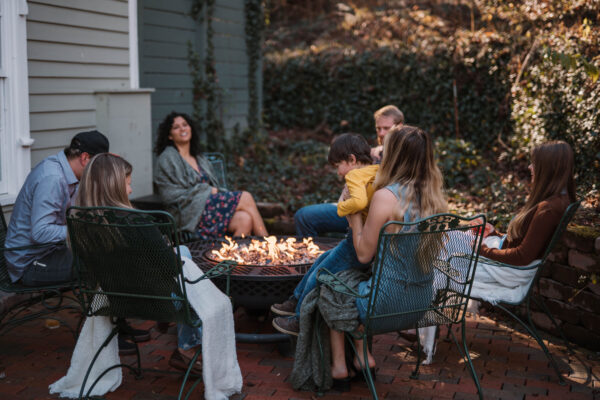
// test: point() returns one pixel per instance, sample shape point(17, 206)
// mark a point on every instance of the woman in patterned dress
point(187, 184)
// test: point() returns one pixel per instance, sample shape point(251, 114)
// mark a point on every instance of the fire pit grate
point(256, 287)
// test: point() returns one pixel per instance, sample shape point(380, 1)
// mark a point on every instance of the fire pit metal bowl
point(256, 287)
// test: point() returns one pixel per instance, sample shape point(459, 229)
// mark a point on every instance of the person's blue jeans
point(342, 257)
point(188, 336)
point(55, 267)
point(317, 219)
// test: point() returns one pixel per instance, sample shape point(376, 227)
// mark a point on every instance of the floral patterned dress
point(218, 211)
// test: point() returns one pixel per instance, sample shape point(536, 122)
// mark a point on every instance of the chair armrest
point(325, 277)
point(32, 246)
point(446, 269)
point(221, 269)
point(499, 264)
point(504, 265)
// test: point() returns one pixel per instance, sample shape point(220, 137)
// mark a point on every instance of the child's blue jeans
point(342, 257)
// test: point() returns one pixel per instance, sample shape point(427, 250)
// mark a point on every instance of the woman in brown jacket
point(552, 190)
point(530, 231)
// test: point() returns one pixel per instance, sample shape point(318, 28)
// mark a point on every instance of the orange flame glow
point(268, 251)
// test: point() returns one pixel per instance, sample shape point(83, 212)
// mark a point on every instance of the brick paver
point(510, 366)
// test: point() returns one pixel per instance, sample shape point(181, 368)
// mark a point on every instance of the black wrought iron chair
point(217, 162)
point(526, 300)
point(52, 298)
point(439, 255)
point(130, 267)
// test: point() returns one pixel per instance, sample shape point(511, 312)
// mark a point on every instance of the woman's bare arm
point(365, 236)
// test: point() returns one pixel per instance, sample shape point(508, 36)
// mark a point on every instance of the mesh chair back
point(217, 162)
point(128, 263)
point(423, 272)
point(560, 229)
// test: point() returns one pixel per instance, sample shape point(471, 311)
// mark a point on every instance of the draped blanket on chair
point(220, 369)
point(491, 283)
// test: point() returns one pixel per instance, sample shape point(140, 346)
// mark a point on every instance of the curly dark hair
point(164, 130)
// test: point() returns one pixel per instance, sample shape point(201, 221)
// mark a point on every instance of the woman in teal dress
point(409, 186)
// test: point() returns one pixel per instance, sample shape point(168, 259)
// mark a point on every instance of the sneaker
point(181, 362)
point(287, 308)
point(287, 325)
point(126, 348)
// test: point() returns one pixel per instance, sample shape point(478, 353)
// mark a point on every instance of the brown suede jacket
point(536, 232)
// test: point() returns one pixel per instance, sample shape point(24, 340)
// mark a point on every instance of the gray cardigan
point(179, 187)
point(336, 310)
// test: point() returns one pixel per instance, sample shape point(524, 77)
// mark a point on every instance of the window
point(15, 161)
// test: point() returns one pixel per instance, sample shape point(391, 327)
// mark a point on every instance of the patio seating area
point(510, 366)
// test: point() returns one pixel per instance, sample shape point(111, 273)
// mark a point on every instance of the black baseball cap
point(91, 142)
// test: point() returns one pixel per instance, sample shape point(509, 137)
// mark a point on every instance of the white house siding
point(74, 48)
point(232, 61)
point(165, 29)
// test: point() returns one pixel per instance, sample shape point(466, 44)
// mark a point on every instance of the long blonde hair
point(552, 174)
point(103, 182)
point(408, 159)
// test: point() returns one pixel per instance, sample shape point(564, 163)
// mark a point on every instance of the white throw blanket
point(492, 284)
point(94, 332)
point(220, 370)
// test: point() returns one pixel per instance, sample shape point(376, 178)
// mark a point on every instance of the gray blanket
point(179, 187)
point(334, 310)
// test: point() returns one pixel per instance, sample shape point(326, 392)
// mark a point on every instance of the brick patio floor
point(510, 365)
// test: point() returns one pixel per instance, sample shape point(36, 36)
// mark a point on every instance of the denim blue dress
point(402, 286)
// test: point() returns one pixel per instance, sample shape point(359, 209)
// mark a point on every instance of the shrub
point(461, 164)
point(295, 173)
point(561, 101)
point(344, 89)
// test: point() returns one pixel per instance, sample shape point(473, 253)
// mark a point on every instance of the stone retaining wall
point(566, 287)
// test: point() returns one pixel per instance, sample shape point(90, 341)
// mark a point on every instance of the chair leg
point(366, 370)
point(415, 374)
point(544, 308)
point(533, 332)
point(111, 335)
point(187, 375)
point(471, 367)
point(447, 338)
point(541, 341)
point(19, 314)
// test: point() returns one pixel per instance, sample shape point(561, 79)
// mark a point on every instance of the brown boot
point(285, 309)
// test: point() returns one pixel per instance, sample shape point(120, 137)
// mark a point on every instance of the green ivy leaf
point(591, 70)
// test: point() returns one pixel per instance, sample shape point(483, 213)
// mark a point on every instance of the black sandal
point(360, 375)
point(342, 384)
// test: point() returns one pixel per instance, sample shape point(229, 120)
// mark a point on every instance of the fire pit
point(257, 284)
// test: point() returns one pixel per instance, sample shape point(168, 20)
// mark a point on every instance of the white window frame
point(134, 68)
point(15, 135)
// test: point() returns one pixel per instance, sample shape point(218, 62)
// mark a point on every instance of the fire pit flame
point(268, 251)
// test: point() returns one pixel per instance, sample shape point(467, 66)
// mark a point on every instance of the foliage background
point(524, 72)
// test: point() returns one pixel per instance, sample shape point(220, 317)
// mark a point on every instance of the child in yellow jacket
point(359, 174)
point(350, 154)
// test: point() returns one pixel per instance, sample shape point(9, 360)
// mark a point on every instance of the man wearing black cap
point(39, 218)
point(39, 214)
